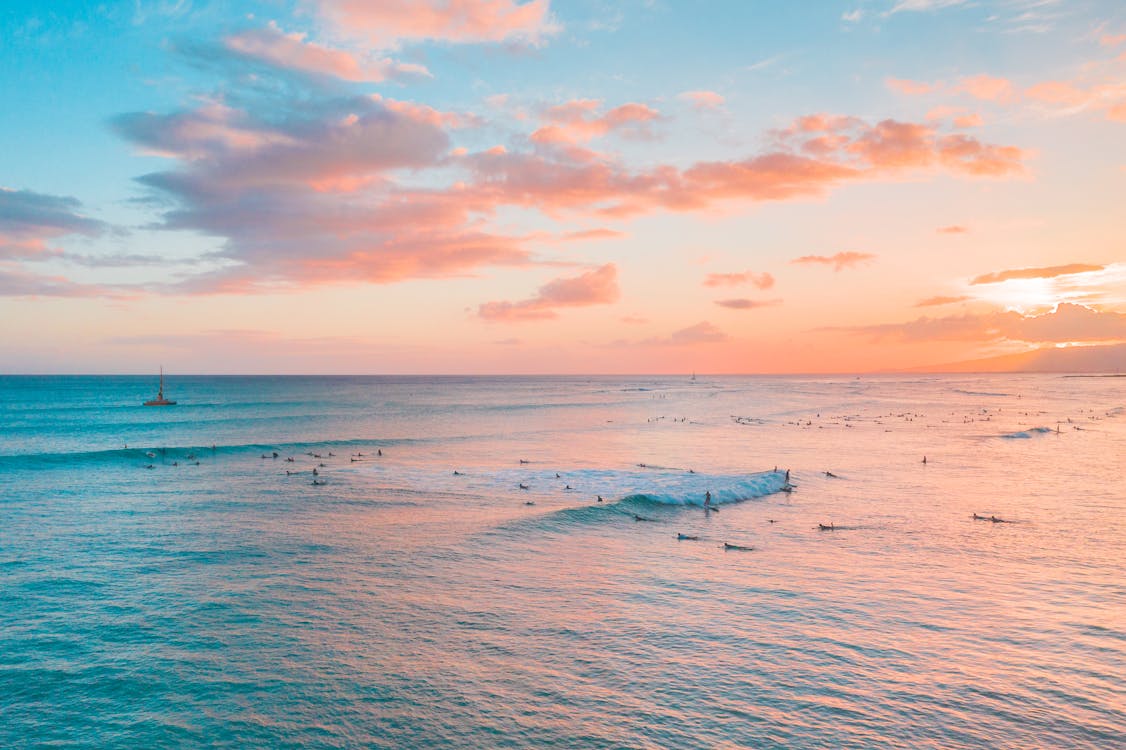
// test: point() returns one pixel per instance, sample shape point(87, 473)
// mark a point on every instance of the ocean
point(487, 562)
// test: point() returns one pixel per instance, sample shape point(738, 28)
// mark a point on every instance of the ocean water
point(165, 581)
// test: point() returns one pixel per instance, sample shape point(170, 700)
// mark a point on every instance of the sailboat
point(160, 400)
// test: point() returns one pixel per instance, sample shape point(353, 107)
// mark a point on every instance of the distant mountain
point(1079, 359)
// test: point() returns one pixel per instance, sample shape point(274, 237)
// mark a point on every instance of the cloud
point(16, 282)
point(576, 121)
point(747, 304)
point(988, 88)
point(908, 87)
point(952, 229)
point(274, 47)
point(29, 220)
point(936, 301)
point(839, 262)
point(1066, 323)
point(1069, 98)
point(702, 100)
point(1036, 273)
point(593, 234)
point(924, 5)
point(388, 23)
point(597, 287)
point(315, 186)
point(852, 16)
point(761, 280)
point(701, 333)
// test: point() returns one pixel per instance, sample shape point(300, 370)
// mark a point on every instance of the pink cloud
point(988, 88)
point(597, 287)
point(910, 88)
point(839, 262)
point(1109, 98)
point(1067, 323)
point(702, 100)
point(318, 196)
point(760, 280)
point(1112, 40)
point(747, 304)
point(577, 122)
point(936, 301)
point(952, 229)
point(386, 23)
point(273, 46)
point(1048, 272)
point(701, 333)
point(972, 120)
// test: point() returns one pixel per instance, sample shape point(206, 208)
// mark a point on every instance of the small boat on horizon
point(160, 400)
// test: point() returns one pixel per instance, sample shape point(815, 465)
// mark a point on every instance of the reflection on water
point(404, 605)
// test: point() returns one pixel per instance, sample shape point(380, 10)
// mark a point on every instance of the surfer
point(831, 475)
point(924, 459)
point(823, 527)
point(708, 500)
point(522, 486)
point(728, 545)
point(600, 498)
point(686, 536)
point(979, 518)
point(379, 451)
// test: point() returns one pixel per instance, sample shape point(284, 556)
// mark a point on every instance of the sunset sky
point(558, 186)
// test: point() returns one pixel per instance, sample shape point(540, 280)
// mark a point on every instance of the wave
point(978, 393)
point(646, 485)
point(1026, 434)
point(182, 452)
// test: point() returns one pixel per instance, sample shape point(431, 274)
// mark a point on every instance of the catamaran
point(160, 400)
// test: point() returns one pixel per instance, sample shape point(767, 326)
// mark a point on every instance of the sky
point(559, 186)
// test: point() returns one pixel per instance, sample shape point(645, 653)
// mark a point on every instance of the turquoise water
point(401, 604)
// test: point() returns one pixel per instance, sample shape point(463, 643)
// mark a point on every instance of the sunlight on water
point(422, 597)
